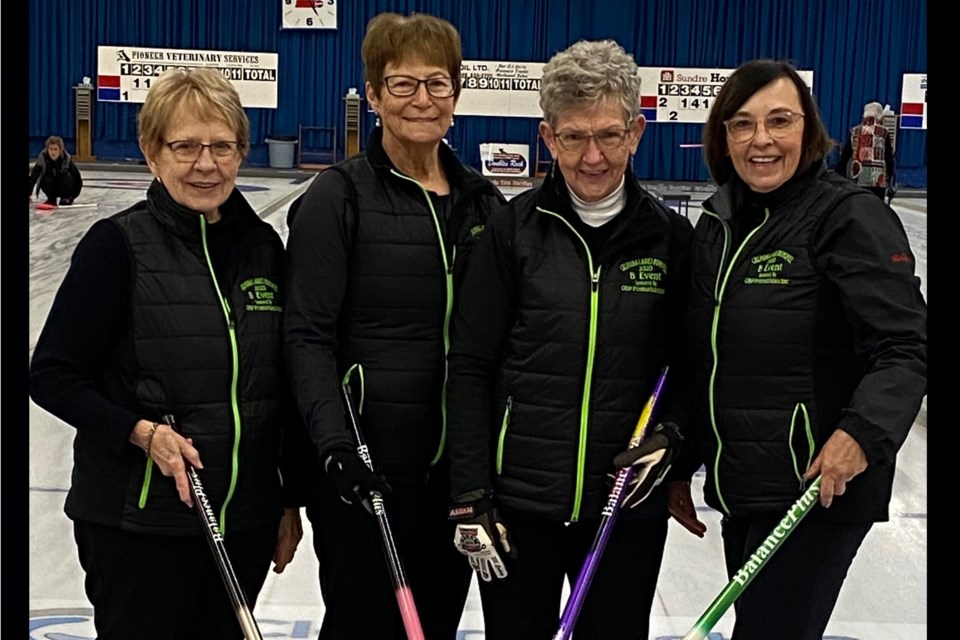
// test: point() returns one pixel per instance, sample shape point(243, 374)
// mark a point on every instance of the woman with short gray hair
point(570, 308)
point(586, 72)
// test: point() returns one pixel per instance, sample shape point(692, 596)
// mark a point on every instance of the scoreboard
point(500, 88)
point(675, 94)
point(125, 74)
point(667, 94)
point(913, 101)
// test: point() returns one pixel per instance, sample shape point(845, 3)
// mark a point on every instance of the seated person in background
point(56, 174)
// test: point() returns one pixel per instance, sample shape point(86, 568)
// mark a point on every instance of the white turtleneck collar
point(597, 214)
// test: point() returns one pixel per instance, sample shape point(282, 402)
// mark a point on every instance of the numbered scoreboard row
point(686, 95)
point(127, 73)
point(675, 108)
point(257, 86)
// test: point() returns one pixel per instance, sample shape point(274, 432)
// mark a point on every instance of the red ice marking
point(408, 611)
point(50, 208)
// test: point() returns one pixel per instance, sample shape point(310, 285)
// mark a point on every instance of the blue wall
point(857, 49)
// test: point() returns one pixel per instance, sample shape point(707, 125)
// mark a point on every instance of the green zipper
point(718, 291)
point(588, 379)
point(234, 352)
point(448, 311)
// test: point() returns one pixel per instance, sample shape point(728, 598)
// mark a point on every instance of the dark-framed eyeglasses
point(406, 86)
point(578, 141)
point(190, 150)
point(778, 125)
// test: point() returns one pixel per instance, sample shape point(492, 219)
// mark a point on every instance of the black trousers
point(526, 604)
point(62, 186)
point(167, 587)
point(355, 583)
point(794, 593)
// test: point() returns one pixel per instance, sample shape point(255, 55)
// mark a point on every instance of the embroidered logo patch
point(643, 275)
point(469, 541)
point(769, 268)
point(261, 294)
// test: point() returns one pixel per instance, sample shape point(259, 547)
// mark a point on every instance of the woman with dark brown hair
point(56, 174)
point(807, 330)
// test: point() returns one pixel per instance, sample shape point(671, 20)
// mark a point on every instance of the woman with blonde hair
point(174, 307)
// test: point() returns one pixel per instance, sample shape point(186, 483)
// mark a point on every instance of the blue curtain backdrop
point(857, 49)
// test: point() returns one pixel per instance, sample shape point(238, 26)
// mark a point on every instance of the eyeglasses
point(579, 141)
point(406, 86)
point(189, 150)
point(777, 125)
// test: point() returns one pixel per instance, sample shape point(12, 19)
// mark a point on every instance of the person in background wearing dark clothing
point(175, 306)
point(56, 174)
point(570, 309)
point(377, 248)
point(867, 156)
point(809, 333)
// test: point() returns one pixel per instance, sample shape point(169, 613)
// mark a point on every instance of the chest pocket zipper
point(797, 470)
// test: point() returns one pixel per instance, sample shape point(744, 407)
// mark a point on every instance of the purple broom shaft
point(579, 592)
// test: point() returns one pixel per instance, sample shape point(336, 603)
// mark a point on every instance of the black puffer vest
point(206, 348)
point(406, 261)
point(586, 349)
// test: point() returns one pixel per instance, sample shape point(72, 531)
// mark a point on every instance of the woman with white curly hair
point(570, 308)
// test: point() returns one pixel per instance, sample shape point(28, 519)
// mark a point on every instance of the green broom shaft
point(757, 560)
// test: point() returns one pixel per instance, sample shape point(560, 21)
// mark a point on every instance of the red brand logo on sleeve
point(900, 257)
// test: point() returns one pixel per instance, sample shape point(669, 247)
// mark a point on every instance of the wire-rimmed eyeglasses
point(578, 141)
point(190, 150)
point(406, 86)
point(778, 125)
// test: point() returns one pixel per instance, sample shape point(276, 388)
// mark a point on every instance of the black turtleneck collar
point(744, 209)
point(457, 176)
point(185, 222)
point(735, 196)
